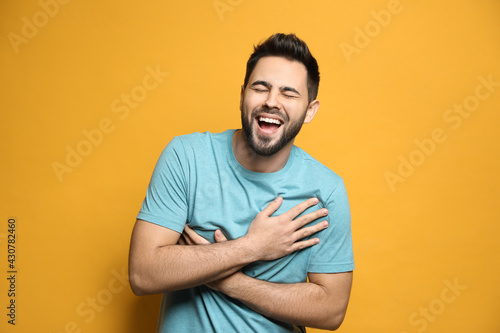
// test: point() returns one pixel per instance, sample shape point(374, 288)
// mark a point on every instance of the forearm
point(304, 304)
point(174, 267)
point(158, 263)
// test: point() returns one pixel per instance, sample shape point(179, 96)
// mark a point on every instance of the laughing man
point(242, 231)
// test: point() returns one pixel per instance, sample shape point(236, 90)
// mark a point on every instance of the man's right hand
point(274, 237)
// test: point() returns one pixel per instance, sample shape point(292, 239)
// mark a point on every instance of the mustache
point(267, 110)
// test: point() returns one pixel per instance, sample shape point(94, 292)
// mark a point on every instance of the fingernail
point(218, 233)
point(325, 224)
point(315, 200)
point(325, 211)
point(278, 199)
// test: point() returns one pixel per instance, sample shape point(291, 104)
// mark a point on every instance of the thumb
point(219, 236)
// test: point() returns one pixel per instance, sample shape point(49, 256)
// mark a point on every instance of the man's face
point(274, 104)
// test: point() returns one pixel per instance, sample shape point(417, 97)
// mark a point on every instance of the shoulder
point(196, 142)
point(316, 173)
point(195, 148)
point(311, 165)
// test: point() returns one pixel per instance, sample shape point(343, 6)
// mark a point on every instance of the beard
point(262, 145)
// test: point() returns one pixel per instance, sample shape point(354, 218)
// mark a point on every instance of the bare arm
point(321, 303)
point(158, 264)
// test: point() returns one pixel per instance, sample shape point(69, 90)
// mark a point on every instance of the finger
point(304, 244)
point(195, 238)
point(308, 231)
point(301, 207)
point(219, 236)
point(182, 240)
point(305, 219)
point(272, 207)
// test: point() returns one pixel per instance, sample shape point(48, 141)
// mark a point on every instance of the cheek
point(294, 109)
point(248, 106)
point(297, 114)
point(254, 100)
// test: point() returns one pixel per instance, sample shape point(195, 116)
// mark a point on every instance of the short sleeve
point(334, 253)
point(165, 203)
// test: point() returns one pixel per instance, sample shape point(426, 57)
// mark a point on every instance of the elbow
point(333, 326)
point(334, 321)
point(138, 291)
point(140, 277)
point(138, 283)
point(143, 284)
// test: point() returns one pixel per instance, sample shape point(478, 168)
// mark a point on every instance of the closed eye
point(261, 86)
point(290, 92)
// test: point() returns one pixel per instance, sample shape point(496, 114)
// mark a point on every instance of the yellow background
point(382, 90)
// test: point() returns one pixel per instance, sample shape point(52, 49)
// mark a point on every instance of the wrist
point(249, 249)
point(232, 284)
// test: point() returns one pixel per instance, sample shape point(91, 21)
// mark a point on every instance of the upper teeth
point(270, 120)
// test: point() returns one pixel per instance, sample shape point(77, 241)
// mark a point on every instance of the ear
point(241, 97)
point(311, 111)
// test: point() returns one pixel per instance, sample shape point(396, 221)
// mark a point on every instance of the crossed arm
point(321, 303)
point(158, 263)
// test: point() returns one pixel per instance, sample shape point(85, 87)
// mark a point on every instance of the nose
point(272, 100)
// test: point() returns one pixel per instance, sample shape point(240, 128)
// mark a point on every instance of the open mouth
point(269, 125)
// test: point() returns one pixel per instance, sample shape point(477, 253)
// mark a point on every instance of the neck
point(257, 163)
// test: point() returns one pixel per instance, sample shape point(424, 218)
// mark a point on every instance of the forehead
point(280, 72)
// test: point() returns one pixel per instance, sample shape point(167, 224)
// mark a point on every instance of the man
point(235, 223)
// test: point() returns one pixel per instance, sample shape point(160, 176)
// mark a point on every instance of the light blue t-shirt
point(198, 181)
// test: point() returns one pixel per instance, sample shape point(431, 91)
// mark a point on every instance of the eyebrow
point(269, 86)
point(290, 89)
point(261, 83)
